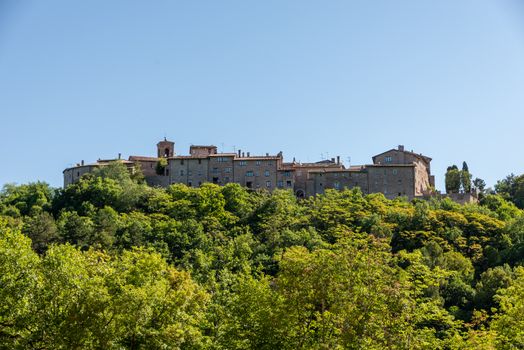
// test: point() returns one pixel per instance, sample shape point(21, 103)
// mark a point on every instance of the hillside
point(111, 263)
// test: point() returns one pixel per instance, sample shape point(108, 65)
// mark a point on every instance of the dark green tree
point(453, 179)
point(465, 178)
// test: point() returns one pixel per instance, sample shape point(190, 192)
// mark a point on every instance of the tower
point(165, 149)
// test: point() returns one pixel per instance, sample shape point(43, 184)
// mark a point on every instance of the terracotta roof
point(132, 158)
point(418, 155)
point(223, 155)
point(390, 165)
point(318, 165)
point(189, 157)
point(328, 170)
point(258, 158)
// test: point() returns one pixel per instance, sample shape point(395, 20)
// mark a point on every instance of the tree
point(18, 284)
point(465, 178)
point(41, 229)
point(453, 179)
point(512, 188)
point(479, 185)
point(161, 166)
point(509, 322)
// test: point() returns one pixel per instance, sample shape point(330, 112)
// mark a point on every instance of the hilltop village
point(395, 172)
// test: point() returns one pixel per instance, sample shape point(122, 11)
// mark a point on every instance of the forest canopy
point(111, 263)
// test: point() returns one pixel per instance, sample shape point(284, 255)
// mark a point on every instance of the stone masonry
point(394, 173)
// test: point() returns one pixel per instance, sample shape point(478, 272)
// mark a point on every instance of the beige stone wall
point(256, 172)
point(338, 180)
point(72, 175)
point(304, 181)
point(202, 151)
point(285, 179)
point(165, 149)
point(148, 167)
point(393, 181)
point(187, 170)
point(221, 169)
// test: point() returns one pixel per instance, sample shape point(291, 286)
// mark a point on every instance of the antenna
point(349, 161)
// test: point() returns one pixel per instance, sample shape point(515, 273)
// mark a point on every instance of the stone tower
point(165, 149)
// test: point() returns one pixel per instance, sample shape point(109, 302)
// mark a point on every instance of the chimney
point(239, 153)
point(82, 162)
point(401, 148)
point(243, 154)
point(338, 160)
point(248, 154)
point(267, 154)
point(119, 155)
point(333, 160)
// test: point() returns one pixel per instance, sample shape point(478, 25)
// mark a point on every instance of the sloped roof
point(418, 155)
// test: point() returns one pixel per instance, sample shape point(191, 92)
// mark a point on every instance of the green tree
point(19, 281)
point(465, 178)
point(453, 179)
point(509, 322)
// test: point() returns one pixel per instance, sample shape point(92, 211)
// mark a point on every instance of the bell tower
point(165, 149)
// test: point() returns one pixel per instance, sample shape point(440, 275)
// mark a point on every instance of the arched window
point(166, 152)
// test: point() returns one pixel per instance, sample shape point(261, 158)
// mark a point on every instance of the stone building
point(73, 174)
point(394, 173)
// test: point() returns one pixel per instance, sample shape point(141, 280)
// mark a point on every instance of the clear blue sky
point(89, 79)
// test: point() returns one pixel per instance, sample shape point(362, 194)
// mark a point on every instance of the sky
point(82, 80)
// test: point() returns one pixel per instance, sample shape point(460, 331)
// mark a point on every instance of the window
point(258, 162)
point(249, 173)
point(227, 170)
point(226, 179)
point(266, 173)
point(280, 184)
point(215, 170)
point(242, 163)
point(395, 171)
point(249, 184)
point(215, 180)
point(336, 185)
point(181, 162)
point(200, 161)
point(388, 159)
point(335, 174)
point(288, 183)
point(287, 173)
point(268, 183)
point(181, 172)
point(189, 183)
point(189, 173)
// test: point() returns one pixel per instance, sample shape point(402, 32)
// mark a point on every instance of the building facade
point(394, 173)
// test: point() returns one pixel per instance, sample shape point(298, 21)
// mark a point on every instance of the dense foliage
point(109, 263)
